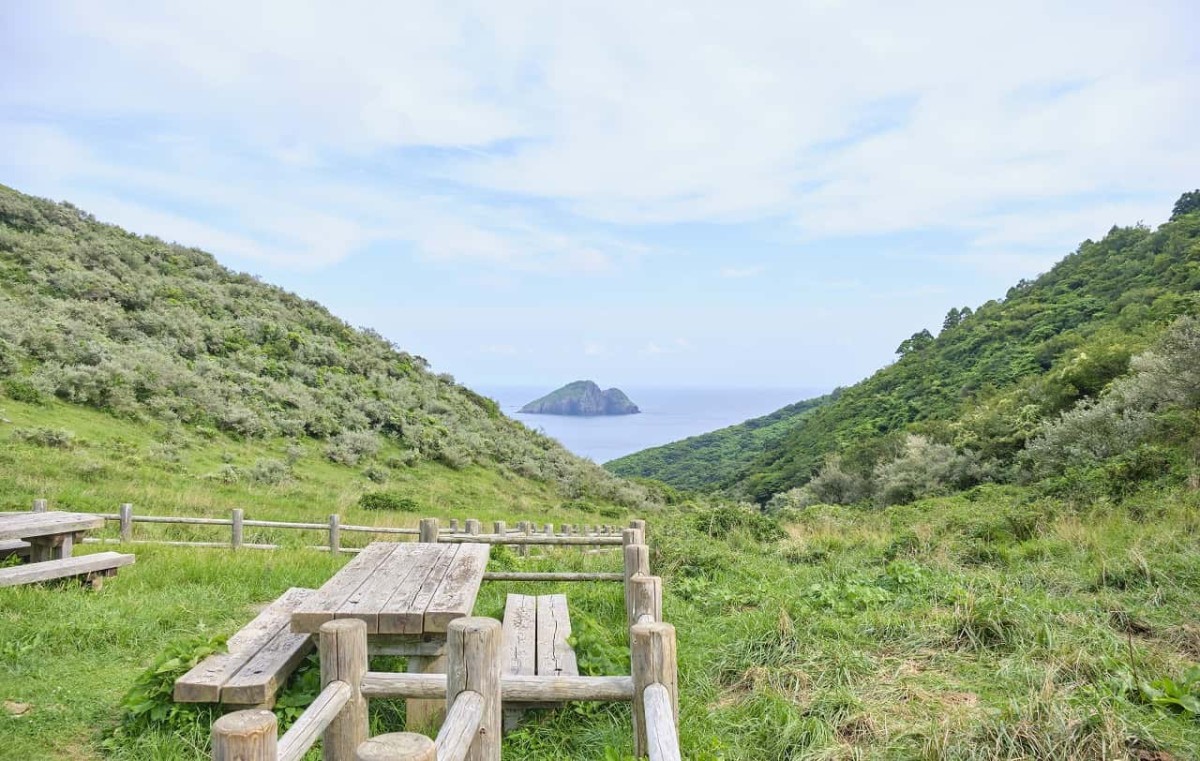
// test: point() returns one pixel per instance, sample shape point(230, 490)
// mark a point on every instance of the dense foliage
point(985, 386)
point(145, 329)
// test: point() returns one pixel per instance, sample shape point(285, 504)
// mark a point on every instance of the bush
point(269, 472)
point(834, 485)
point(23, 391)
point(387, 500)
point(925, 469)
point(349, 447)
point(719, 522)
point(52, 438)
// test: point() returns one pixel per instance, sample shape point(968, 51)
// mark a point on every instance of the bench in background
point(90, 568)
point(535, 631)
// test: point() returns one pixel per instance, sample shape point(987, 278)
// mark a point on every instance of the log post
point(645, 598)
point(500, 529)
point(631, 536)
point(39, 506)
point(246, 736)
point(640, 525)
point(637, 563)
point(343, 649)
point(527, 528)
point(126, 515)
point(454, 525)
point(397, 746)
point(236, 534)
point(548, 529)
point(429, 530)
point(653, 661)
point(473, 652)
point(335, 534)
point(566, 529)
point(473, 526)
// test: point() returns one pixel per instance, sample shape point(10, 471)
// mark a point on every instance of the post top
point(347, 625)
point(397, 746)
point(473, 624)
point(241, 722)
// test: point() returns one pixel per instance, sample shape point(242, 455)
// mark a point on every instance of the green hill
point(161, 335)
point(985, 383)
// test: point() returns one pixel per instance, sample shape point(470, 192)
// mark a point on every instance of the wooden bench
point(536, 630)
point(90, 568)
point(260, 658)
point(10, 547)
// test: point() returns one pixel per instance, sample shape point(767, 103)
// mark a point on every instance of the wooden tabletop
point(34, 525)
point(400, 588)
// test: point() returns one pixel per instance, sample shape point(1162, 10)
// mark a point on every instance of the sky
point(757, 194)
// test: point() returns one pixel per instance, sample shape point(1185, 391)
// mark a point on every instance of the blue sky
point(720, 194)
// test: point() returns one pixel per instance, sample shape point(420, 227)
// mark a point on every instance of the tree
point(952, 319)
point(916, 342)
point(1187, 203)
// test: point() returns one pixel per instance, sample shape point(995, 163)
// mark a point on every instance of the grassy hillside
point(989, 379)
point(711, 459)
point(154, 332)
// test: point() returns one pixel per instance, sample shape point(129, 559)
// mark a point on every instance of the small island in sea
point(582, 398)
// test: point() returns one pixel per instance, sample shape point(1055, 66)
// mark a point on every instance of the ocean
point(668, 414)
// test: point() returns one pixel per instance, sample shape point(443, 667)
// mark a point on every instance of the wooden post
point(454, 525)
point(637, 563)
point(566, 529)
point(473, 526)
point(473, 650)
point(653, 661)
point(429, 530)
point(645, 598)
point(548, 529)
point(631, 536)
point(126, 514)
point(39, 506)
point(246, 736)
point(235, 539)
point(640, 525)
point(344, 658)
point(335, 533)
point(397, 746)
point(527, 528)
point(500, 529)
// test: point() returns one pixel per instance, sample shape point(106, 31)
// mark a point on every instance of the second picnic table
point(51, 535)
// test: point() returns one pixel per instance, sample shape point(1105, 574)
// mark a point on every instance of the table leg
point(65, 547)
point(41, 548)
point(425, 714)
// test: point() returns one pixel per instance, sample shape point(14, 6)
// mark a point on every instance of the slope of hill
point(156, 332)
point(989, 379)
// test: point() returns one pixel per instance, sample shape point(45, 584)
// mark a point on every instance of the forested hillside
point(152, 331)
point(975, 394)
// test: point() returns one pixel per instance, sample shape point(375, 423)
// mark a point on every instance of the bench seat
point(91, 568)
point(535, 643)
point(14, 547)
point(260, 658)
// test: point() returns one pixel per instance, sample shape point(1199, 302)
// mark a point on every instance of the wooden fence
point(474, 688)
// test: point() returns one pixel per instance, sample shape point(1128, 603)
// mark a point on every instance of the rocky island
point(582, 398)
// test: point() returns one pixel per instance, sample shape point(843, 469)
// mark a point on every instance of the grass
point(988, 625)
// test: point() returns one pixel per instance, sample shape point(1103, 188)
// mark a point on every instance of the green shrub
point(20, 390)
point(387, 500)
point(52, 438)
point(720, 521)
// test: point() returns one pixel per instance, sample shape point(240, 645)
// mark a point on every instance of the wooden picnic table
point(51, 535)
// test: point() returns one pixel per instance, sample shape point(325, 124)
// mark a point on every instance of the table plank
point(554, 655)
point(29, 525)
point(455, 597)
point(322, 606)
point(399, 614)
point(369, 598)
point(411, 618)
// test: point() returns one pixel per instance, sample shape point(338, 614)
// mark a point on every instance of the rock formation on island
point(582, 398)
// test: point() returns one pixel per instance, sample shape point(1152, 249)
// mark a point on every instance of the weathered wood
point(500, 529)
point(473, 526)
point(520, 635)
point(429, 530)
point(125, 516)
point(548, 529)
point(321, 607)
point(426, 713)
point(554, 655)
point(40, 506)
point(454, 525)
point(367, 602)
point(522, 689)
point(315, 720)
point(530, 540)
point(344, 659)
point(266, 671)
point(474, 665)
point(246, 736)
point(403, 612)
point(637, 563)
point(639, 525)
point(335, 533)
point(551, 576)
point(237, 533)
point(80, 565)
point(14, 547)
point(397, 746)
point(204, 683)
point(645, 599)
point(455, 596)
point(653, 660)
point(527, 530)
point(662, 736)
point(406, 644)
point(29, 526)
point(461, 731)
